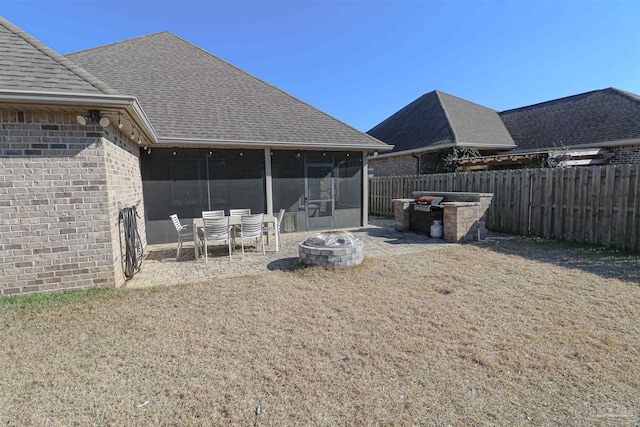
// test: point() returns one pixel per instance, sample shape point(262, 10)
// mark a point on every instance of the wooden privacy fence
point(598, 205)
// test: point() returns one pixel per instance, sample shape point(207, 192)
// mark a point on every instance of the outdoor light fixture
point(298, 155)
point(133, 133)
point(120, 125)
point(93, 116)
point(147, 149)
point(139, 141)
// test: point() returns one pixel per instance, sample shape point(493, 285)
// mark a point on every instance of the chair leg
point(242, 244)
point(179, 247)
point(206, 259)
point(262, 242)
point(229, 249)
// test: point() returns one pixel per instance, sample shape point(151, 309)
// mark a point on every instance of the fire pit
point(332, 249)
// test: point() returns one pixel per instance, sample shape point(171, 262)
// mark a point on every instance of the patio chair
point(213, 214)
point(251, 228)
point(239, 212)
point(275, 229)
point(184, 232)
point(216, 230)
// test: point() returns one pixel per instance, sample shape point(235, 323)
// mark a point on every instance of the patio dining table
point(234, 220)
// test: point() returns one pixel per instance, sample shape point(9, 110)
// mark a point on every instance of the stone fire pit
point(332, 248)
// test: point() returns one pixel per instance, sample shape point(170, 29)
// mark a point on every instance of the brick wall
point(626, 154)
point(124, 183)
point(394, 165)
point(56, 213)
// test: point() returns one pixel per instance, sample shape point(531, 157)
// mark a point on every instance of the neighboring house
point(186, 132)
point(597, 127)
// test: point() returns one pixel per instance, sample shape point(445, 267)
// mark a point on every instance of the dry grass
point(509, 333)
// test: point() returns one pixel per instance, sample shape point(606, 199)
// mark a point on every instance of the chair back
point(280, 217)
point(239, 212)
point(213, 214)
point(176, 222)
point(216, 228)
point(251, 225)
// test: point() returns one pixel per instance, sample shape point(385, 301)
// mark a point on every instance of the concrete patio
point(160, 267)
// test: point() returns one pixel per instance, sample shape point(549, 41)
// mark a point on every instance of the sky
point(361, 61)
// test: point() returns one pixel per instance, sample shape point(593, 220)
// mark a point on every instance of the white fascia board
point(446, 145)
point(616, 143)
point(128, 103)
point(485, 146)
point(270, 144)
point(416, 150)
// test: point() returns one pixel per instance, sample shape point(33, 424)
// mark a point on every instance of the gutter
point(128, 103)
point(272, 144)
point(441, 146)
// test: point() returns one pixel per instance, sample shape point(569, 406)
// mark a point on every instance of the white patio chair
point(275, 229)
point(216, 230)
point(184, 232)
point(251, 228)
point(239, 212)
point(213, 214)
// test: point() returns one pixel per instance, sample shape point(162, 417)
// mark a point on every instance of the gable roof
point(193, 96)
point(29, 65)
point(438, 120)
point(586, 119)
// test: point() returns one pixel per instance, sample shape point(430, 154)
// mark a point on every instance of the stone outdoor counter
point(464, 216)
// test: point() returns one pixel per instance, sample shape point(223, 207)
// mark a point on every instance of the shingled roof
point(438, 119)
point(29, 65)
point(191, 95)
point(589, 118)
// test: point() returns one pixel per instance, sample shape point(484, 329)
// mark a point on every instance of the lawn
point(519, 332)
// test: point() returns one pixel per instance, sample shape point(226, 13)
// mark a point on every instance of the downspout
point(417, 163)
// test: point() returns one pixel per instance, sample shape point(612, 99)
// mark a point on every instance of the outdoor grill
point(423, 211)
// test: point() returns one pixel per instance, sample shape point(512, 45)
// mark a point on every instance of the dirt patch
point(477, 334)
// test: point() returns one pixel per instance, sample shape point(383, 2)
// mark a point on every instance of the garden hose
point(132, 259)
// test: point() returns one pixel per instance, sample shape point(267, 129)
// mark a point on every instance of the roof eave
point(270, 144)
point(441, 146)
point(128, 103)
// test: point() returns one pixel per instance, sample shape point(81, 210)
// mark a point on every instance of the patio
point(161, 269)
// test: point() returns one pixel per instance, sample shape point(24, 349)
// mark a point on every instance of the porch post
point(365, 188)
point(268, 181)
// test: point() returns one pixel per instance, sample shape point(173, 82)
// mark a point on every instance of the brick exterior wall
point(58, 212)
point(394, 165)
point(625, 154)
point(428, 162)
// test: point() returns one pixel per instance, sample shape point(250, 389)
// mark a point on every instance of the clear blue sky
point(361, 61)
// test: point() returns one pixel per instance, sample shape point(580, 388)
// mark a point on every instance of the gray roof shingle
point(189, 93)
point(588, 118)
point(438, 118)
point(27, 64)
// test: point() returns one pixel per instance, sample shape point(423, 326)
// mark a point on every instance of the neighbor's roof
point(439, 119)
point(28, 64)
point(191, 95)
point(586, 119)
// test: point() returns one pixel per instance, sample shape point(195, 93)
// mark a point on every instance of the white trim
point(417, 150)
point(271, 144)
point(365, 189)
point(268, 180)
point(509, 150)
point(129, 103)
